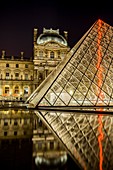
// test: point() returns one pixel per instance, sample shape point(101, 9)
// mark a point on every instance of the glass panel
point(65, 97)
point(51, 97)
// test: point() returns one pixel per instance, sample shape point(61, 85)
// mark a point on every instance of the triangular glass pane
point(73, 102)
point(44, 102)
point(59, 102)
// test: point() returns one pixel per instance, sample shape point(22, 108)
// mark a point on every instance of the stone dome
point(51, 35)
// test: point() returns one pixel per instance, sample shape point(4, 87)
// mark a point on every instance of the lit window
point(51, 54)
point(7, 90)
point(58, 54)
point(25, 121)
point(63, 54)
point(16, 91)
point(40, 54)
point(39, 145)
point(26, 65)
point(26, 76)
point(40, 76)
point(15, 122)
point(7, 75)
point(25, 90)
point(31, 77)
point(16, 75)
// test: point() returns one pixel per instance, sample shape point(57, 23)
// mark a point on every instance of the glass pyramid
point(82, 85)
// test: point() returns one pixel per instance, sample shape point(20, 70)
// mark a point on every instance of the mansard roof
point(49, 35)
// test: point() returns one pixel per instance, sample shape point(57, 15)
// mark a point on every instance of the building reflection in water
point(26, 143)
point(15, 139)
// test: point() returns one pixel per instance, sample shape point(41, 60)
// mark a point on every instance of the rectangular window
point(26, 65)
point(5, 123)
point(51, 145)
point(16, 90)
point(25, 133)
point(17, 65)
point(25, 121)
point(7, 65)
point(5, 133)
point(39, 145)
point(15, 123)
point(16, 75)
point(26, 76)
point(15, 133)
point(51, 54)
point(7, 75)
point(25, 90)
point(7, 90)
point(40, 54)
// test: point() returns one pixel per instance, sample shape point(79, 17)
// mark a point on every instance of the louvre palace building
point(62, 98)
point(19, 77)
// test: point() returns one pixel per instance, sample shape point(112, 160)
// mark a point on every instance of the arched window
point(51, 54)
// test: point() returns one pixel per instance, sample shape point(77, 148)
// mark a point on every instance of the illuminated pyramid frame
point(76, 97)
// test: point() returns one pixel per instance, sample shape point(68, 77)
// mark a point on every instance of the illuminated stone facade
point(19, 77)
point(16, 77)
point(49, 49)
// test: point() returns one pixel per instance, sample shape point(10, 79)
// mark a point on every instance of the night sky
point(19, 18)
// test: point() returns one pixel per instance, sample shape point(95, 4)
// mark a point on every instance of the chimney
point(3, 54)
point(66, 35)
point(35, 34)
point(22, 55)
point(12, 57)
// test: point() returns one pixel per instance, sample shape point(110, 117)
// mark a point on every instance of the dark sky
point(19, 18)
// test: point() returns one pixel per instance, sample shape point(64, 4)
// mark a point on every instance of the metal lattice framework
point(84, 79)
